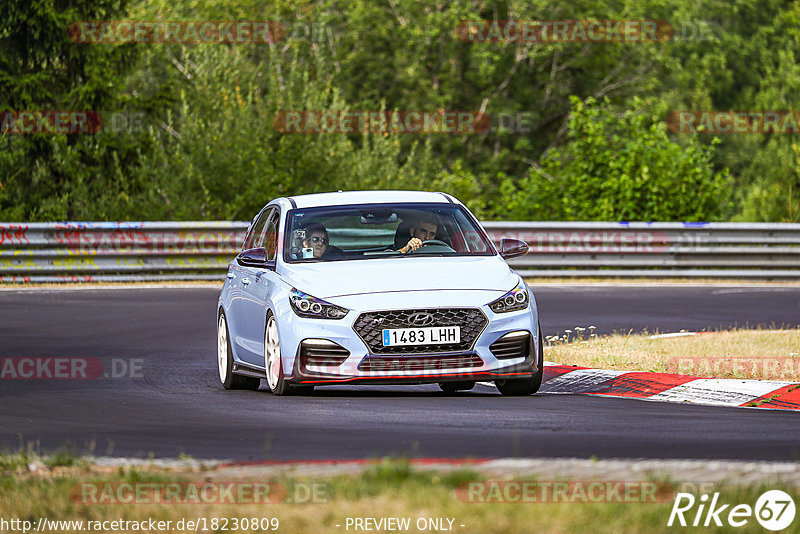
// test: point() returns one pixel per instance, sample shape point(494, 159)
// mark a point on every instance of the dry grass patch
point(759, 354)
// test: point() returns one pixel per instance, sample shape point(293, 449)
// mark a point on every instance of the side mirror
point(511, 248)
point(254, 257)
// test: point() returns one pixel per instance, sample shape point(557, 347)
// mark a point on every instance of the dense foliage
point(592, 143)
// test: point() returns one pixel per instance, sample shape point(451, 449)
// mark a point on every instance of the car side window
point(271, 234)
point(256, 230)
point(260, 238)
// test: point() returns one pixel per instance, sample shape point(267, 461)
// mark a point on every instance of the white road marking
point(672, 334)
point(719, 392)
point(581, 380)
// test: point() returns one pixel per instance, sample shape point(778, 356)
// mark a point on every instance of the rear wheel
point(452, 387)
point(526, 386)
point(225, 361)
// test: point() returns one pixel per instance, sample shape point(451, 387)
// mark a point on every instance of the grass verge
point(758, 354)
point(386, 488)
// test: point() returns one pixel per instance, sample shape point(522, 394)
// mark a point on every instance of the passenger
point(423, 228)
point(317, 240)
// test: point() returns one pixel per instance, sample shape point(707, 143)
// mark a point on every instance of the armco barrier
point(155, 251)
point(125, 251)
point(713, 250)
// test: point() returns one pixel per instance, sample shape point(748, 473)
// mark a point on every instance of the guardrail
point(155, 251)
point(685, 250)
point(125, 251)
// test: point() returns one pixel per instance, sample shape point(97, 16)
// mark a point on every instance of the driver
point(423, 228)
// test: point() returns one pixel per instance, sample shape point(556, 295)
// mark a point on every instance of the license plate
point(432, 335)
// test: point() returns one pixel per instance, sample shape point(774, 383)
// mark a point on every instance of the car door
point(241, 307)
point(255, 292)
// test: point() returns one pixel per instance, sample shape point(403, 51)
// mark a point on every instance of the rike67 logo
point(774, 510)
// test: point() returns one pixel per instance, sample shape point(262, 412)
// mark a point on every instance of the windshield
point(382, 230)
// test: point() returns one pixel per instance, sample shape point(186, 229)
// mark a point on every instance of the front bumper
point(363, 366)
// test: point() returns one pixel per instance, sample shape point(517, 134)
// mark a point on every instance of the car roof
point(367, 197)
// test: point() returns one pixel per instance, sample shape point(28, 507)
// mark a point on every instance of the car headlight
point(516, 299)
point(305, 305)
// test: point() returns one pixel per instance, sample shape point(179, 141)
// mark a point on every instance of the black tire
point(526, 386)
point(229, 379)
point(452, 387)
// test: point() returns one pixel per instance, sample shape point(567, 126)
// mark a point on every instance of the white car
point(375, 287)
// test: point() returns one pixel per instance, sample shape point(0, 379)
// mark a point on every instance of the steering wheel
point(435, 243)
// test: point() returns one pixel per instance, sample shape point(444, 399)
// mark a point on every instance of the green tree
point(45, 176)
point(618, 166)
point(210, 150)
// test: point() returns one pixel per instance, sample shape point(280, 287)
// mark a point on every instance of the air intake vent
point(513, 345)
point(321, 353)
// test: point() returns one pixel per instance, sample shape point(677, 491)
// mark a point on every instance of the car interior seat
point(402, 235)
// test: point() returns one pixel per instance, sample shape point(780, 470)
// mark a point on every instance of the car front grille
point(436, 362)
point(370, 325)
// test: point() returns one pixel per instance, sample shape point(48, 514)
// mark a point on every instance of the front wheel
point(526, 386)
point(273, 364)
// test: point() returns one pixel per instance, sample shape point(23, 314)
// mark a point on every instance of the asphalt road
point(176, 405)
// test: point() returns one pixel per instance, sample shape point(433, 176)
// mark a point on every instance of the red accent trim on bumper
point(410, 378)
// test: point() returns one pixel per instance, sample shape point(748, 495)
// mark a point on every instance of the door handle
point(245, 281)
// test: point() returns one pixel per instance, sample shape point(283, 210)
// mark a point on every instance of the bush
point(617, 166)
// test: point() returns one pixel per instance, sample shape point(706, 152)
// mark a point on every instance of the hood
point(358, 277)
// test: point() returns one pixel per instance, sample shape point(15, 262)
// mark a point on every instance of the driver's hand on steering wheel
point(412, 245)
